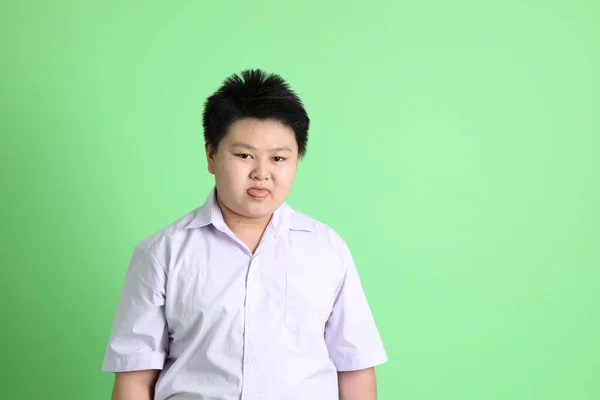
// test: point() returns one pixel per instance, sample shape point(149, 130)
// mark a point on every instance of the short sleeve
point(351, 335)
point(139, 335)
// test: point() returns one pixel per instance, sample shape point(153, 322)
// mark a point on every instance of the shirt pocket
point(308, 301)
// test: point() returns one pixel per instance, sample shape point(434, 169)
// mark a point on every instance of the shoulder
point(162, 240)
point(320, 234)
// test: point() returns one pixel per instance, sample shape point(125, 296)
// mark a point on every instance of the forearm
point(357, 385)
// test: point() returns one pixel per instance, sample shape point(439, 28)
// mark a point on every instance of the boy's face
point(254, 167)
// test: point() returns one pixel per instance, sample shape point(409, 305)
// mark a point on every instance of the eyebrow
point(250, 147)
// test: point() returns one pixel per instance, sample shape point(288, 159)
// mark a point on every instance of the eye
point(278, 159)
point(243, 156)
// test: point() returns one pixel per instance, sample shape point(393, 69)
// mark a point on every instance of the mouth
point(258, 193)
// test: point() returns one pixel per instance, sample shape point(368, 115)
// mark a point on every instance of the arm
point(135, 385)
point(351, 335)
point(357, 385)
point(139, 338)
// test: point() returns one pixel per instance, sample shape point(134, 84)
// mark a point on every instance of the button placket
point(251, 331)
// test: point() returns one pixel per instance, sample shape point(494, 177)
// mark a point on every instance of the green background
point(454, 145)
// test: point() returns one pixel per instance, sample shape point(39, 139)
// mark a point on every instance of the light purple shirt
point(224, 324)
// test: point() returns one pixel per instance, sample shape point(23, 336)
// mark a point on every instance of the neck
point(243, 225)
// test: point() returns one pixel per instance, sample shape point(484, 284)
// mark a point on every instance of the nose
point(260, 171)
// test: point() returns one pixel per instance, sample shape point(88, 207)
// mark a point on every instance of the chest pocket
point(308, 302)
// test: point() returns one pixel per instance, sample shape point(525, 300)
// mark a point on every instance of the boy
point(244, 297)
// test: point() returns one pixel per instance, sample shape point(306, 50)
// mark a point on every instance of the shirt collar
point(284, 218)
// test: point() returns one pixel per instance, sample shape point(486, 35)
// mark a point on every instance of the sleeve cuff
point(352, 363)
point(120, 363)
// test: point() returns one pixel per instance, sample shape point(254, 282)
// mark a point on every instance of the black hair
point(254, 94)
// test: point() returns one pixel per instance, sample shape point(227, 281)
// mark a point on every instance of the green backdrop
point(454, 145)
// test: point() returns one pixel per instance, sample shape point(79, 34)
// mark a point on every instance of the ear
point(210, 158)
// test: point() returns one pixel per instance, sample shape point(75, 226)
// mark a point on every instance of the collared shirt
point(222, 323)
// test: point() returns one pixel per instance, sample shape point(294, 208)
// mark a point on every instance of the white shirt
point(222, 323)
